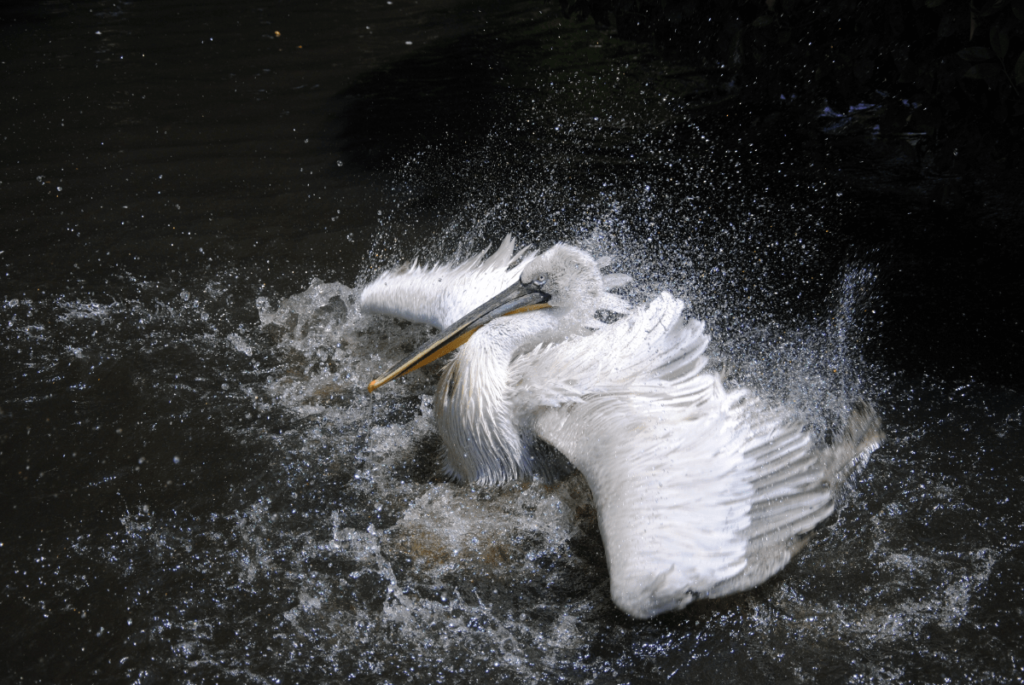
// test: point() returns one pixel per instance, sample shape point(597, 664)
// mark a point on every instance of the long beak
point(513, 300)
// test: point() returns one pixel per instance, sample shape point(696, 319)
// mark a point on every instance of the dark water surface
point(195, 486)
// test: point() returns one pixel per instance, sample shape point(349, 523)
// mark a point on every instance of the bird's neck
point(483, 440)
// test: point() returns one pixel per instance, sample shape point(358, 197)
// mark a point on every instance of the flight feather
point(441, 294)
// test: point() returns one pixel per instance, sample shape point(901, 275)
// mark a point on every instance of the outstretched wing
point(699, 492)
point(440, 295)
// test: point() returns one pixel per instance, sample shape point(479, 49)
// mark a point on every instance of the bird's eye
point(540, 280)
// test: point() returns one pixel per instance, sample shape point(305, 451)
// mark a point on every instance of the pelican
point(700, 491)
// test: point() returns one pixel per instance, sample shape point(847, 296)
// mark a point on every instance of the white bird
point(700, 492)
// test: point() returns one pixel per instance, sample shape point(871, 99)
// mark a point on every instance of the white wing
point(442, 294)
point(699, 492)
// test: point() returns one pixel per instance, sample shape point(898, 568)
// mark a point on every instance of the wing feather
point(700, 492)
point(441, 294)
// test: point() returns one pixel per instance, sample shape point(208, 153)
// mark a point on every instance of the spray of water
point(512, 578)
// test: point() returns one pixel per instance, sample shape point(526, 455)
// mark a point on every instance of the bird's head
point(567, 276)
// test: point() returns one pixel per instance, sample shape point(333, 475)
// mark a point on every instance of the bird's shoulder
point(655, 348)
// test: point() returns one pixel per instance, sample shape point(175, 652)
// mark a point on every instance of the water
point(196, 486)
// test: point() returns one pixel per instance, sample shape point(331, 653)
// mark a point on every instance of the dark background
point(174, 476)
